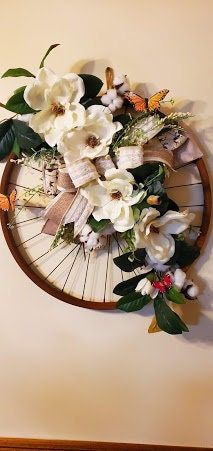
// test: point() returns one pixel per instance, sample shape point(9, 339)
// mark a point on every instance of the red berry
point(167, 281)
point(160, 286)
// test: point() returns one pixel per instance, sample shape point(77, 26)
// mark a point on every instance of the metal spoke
point(180, 186)
point(71, 268)
point(85, 277)
point(45, 253)
point(61, 261)
point(26, 220)
point(23, 242)
point(108, 252)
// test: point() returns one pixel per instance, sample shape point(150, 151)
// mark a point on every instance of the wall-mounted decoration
point(105, 198)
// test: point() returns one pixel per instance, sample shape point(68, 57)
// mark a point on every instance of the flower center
point(116, 195)
point(92, 141)
point(154, 229)
point(57, 109)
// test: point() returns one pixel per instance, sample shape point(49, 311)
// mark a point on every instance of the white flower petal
point(34, 93)
point(95, 194)
point(160, 247)
point(77, 89)
point(42, 121)
point(53, 136)
point(59, 93)
point(174, 222)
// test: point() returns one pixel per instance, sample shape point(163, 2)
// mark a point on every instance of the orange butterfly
point(8, 202)
point(141, 104)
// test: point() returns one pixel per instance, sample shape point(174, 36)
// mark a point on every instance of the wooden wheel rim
point(68, 298)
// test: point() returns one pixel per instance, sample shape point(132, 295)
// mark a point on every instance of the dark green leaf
point(184, 254)
point(168, 320)
point(128, 286)
point(132, 302)
point(17, 104)
point(127, 264)
point(26, 137)
point(17, 72)
point(124, 119)
point(86, 102)
point(16, 148)
point(142, 172)
point(172, 205)
point(158, 175)
point(47, 53)
point(156, 188)
point(97, 226)
point(174, 295)
point(6, 138)
point(92, 85)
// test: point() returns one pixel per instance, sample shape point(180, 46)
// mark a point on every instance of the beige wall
point(75, 374)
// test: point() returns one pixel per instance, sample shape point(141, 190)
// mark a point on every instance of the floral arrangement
point(104, 159)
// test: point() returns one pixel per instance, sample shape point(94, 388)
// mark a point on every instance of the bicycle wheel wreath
point(89, 194)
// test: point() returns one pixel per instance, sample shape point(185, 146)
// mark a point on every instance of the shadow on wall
point(191, 312)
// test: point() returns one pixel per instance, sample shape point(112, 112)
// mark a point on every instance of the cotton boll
point(105, 100)
point(112, 107)
point(190, 289)
point(179, 278)
point(118, 102)
point(124, 88)
point(92, 240)
point(112, 94)
point(86, 230)
point(121, 84)
point(192, 292)
point(119, 79)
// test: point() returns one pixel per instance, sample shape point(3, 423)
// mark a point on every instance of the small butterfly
point(164, 284)
point(8, 202)
point(141, 104)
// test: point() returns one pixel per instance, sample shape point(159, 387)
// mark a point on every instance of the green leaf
point(128, 286)
point(172, 205)
point(17, 72)
point(47, 53)
point(132, 302)
point(174, 295)
point(142, 172)
point(124, 119)
point(158, 175)
point(26, 137)
point(184, 254)
point(168, 320)
point(86, 102)
point(126, 263)
point(156, 188)
point(97, 226)
point(16, 148)
point(6, 138)
point(92, 85)
point(17, 104)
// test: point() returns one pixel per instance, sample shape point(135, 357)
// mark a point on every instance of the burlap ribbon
point(169, 149)
point(69, 206)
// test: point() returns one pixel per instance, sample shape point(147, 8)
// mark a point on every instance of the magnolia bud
point(153, 200)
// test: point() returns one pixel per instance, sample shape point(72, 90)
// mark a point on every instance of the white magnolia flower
point(145, 287)
point(113, 198)
point(57, 102)
point(155, 234)
point(93, 139)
